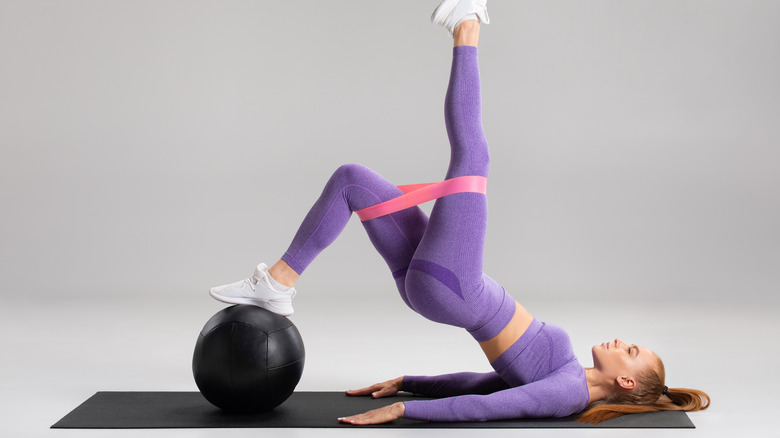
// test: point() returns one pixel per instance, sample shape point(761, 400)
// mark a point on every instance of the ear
point(626, 382)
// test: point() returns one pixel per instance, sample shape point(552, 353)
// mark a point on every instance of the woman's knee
point(350, 173)
point(351, 169)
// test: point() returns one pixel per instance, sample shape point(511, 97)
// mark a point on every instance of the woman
point(437, 266)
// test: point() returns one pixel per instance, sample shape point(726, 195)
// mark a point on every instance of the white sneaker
point(256, 291)
point(450, 13)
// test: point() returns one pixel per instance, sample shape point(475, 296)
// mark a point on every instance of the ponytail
point(676, 399)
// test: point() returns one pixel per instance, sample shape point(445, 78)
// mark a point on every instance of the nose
point(618, 342)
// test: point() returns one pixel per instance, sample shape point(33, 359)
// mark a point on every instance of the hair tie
point(666, 389)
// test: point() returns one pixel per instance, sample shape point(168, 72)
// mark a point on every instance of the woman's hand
point(381, 415)
point(377, 416)
point(378, 390)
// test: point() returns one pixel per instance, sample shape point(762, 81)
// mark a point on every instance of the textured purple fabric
point(437, 266)
point(538, 376)
point(436, 262)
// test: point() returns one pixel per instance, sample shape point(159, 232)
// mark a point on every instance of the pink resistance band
point(415, 194)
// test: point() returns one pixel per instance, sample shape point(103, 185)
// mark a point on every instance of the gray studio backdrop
point(163, 147)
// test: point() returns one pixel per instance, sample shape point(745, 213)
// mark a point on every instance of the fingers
point(376, 416)
point(384, 392)
point(365, 391)
point(351, 420)
point(377, 391)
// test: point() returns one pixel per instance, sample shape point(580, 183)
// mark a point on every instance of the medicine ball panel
point(284, 347)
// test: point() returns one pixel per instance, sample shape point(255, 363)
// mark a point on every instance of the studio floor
point(60, 352)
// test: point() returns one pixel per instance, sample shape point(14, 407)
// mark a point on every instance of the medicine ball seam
point(264, 330)
point(283, 328)
point(230, 356)
point(285, 365)
point(260, 328)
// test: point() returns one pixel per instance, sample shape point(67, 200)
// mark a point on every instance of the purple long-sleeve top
point(538, 376)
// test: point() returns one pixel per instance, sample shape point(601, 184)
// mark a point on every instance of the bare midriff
point(501, 342)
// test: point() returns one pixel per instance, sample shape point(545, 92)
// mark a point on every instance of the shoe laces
point(252, 282)
point(249, 281)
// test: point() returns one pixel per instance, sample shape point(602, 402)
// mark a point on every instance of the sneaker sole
point(252, 302)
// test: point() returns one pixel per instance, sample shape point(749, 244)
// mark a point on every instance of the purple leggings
point(436, 261)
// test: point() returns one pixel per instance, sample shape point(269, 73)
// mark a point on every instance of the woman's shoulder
point(552, 326)
point(556, 333)
point(560, 348)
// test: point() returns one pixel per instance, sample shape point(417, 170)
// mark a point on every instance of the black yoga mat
point(155, 410)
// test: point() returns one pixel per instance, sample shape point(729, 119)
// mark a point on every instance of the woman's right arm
point(448, 385)
point(445, 385)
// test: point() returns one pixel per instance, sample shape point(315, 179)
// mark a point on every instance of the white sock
point(464, 18)
point(276, 285)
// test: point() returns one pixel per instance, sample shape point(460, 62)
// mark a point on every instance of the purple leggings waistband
point(497, 322)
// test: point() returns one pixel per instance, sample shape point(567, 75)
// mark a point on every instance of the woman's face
point(620, 361)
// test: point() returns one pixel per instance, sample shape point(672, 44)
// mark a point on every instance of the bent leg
point(353, 187)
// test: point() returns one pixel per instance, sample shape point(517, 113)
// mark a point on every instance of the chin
point(595, 353)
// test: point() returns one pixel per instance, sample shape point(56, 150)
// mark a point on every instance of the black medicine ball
point(248, 359)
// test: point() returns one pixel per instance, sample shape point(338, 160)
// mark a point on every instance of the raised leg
point(445, 281)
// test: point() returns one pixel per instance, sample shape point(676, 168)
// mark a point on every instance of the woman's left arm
point(557, 395)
